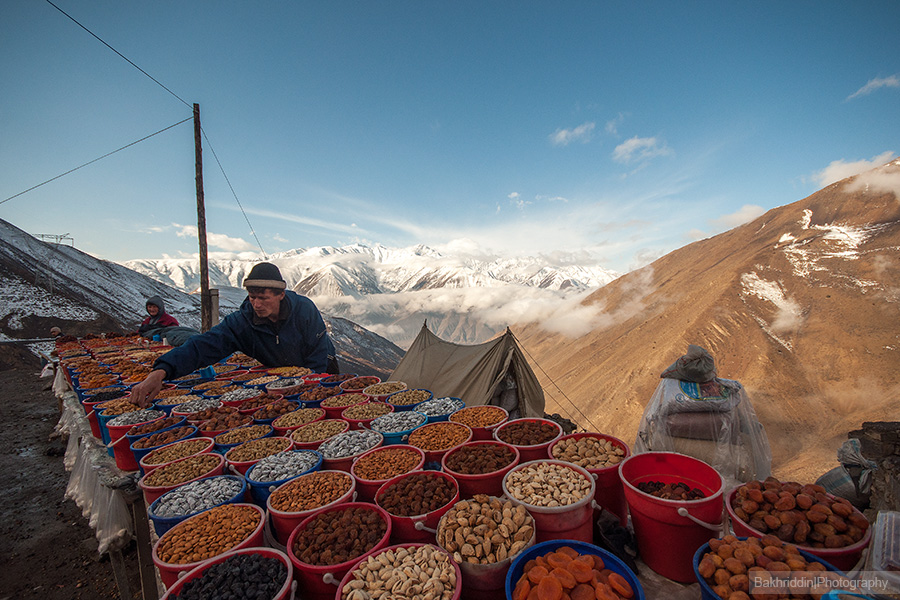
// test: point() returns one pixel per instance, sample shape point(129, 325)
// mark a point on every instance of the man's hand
point(143, 393)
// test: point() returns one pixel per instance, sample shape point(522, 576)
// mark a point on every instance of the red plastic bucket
point(842, 558)
point(486, 483)
point(417, 528)
point(368, 487)
point(570, 522)
point(533, 451)
point(242, 466)
point(335, 405)
point(147, 467)
point(319, 582)
point(152, 492)
point(420, 438)
point(668, 532)
point(284, 522)
point(169, 572)
point(283, 594)
point(608, 493)
point(466, 417)
point(350, 575)
point(122, 446)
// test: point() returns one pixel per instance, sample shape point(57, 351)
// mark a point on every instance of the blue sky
point(607, 133)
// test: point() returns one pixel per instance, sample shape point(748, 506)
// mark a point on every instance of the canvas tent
point(494, 372)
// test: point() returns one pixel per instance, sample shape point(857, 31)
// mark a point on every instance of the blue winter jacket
point(299, 338)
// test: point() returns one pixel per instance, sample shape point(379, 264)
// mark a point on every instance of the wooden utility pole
point(206, 314)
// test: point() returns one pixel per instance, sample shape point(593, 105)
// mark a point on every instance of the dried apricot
point(558, 559)
point(568, 551)
point(549, 588)
point(522, 589)
point(537, 574)
point(620, 585)
point(582, 591)
point(565, 577)
point(603, 592)
point(580, 571)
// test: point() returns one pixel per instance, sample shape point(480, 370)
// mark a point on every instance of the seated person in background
point(279, 328)
point(55, 332)
point(157, 317)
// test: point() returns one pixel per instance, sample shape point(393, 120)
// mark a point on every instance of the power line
point(233, 193)
point(119, 53)
point(591, 423)
point(95, 160)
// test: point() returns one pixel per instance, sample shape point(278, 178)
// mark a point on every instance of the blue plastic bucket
point(163, 524)
point(261, 490)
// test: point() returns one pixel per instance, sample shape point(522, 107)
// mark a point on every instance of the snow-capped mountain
point(392, 290)
point(44, 285)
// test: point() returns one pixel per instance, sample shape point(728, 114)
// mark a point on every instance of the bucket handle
point(329, 578)
point(111, 444)
point(234, 470)
point(717, 527)
point(421, 526)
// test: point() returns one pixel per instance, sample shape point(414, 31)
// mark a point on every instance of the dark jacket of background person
point(298, 338)
point(162, 318)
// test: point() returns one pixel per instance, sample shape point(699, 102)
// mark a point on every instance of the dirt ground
point(47, 547)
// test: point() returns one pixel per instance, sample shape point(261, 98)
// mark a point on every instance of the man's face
point(266, 302)
point(152, 310)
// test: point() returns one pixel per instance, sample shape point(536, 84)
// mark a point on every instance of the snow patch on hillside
point(788, 313)
point(19, 299)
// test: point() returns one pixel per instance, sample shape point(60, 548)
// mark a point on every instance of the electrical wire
point(233, 193)
point(147, 137)
point(530, 357)
point(119, 53)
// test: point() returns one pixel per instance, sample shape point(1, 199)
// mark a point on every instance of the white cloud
point(513, 195)
point(876, 84)
point(612, 126)
point(216, 240)
point(639, 149)
point(747, 213)
point(876, 181)
point(563, 137)
point(278, 238)
point(841, 169)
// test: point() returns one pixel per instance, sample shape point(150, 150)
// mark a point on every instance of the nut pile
point(311, 491)
point(197, 496)
point(588, 452)
point(182, 470)
point(319, 393)
point(336, 536)
point(417, 494)
point(298, 417)
point(438, 407)
point(318, 431)
point(384, 388)
point(208, 534)
point(479, 416)
point(239, 435)
point(177, 400)
point(350, 443)
point(416, 573)
point(289, 371)
point(239, 394)
point(802, 514)
point(262, 380)
point(197, 404)
point(359, 383)
point(171, 393)
point(670, 491)
point(396, 422)
point(257, 449)
point(344, 400)
point(167, 454)
point(369, 410)
point(547, 484)
point(439, 436)
point(222, 420)
point(257, 401)
point(154, 426)
point(135, 417)
point(163, 437)
point(287, 382)
point(409, 397)
point(275, 410)
point(731, 563)
point(283, 465)
point(386, 462)
point(485, 530)
point(527, 432)
point(479, 459)
point(337, 378)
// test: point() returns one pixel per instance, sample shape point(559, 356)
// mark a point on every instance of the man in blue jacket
point(275, 326)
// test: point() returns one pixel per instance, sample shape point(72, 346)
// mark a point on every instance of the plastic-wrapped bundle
point(712, 421)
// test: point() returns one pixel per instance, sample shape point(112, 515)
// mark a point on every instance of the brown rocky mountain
point(802, 306)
